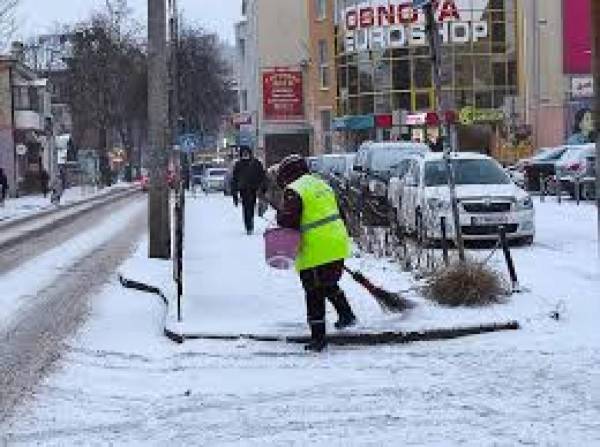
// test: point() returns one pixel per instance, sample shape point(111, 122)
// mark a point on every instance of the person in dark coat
point(3, 186)
point(247, 182)
point(323, 270)
point(44, 182)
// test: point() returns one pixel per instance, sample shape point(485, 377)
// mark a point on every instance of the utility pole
point(435, 44)
point(595, 17)
point(158, 131)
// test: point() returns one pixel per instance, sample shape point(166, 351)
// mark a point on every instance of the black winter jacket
point(248, 174)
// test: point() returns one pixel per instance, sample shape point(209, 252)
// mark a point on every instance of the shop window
point(499, 73)
point(423, 73)
point(499, 96)
point(512, 73)
point(423, 101)
point(499, 32)
point(463, 98)
point(382, 104)
point(464, 70)
point(483, 99)
point(367, 104)
point(353, 108)
point(483, 71)
point(342, 77)
point(401, 74)
point(401, 101)
point(382, 75)
point(353, 80)
point(365, 73)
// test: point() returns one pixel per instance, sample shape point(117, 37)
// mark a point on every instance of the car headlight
point(438, 204)
point(525, 204)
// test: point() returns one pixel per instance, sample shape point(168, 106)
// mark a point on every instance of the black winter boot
point(317, 335)
point(346, 317)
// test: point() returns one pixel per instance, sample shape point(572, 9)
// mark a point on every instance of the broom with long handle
point(388, 301)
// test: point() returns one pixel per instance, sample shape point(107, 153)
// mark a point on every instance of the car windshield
point(334, 164)
point(387, 160)
point(576, 153)
point(217, 172)
point(467, 172)
point(549, 154)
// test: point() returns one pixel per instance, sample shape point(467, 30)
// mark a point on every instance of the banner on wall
point(282, 94)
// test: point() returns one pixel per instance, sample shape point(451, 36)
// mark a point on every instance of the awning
point(354, 122)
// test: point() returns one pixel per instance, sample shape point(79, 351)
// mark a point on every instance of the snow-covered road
point(121, 382)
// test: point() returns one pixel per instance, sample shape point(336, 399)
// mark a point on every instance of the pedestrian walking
point(3, 187)
point(44, 182)
point(248, 181)
point(310, 206)
point(56, 191)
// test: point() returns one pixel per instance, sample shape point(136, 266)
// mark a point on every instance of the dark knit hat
point(291, 169)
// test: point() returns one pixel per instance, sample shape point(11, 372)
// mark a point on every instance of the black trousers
point(321, 284)
point(248, 197)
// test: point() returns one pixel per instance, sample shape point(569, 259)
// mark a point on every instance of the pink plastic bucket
point(281, 247)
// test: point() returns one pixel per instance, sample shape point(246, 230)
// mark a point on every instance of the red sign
point(577, 37)
point(282, 95)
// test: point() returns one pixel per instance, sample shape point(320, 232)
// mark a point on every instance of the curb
point(354, 339)
point(141, 287)
point(94, 204)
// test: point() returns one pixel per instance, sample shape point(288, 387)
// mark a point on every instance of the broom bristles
point(388, 301)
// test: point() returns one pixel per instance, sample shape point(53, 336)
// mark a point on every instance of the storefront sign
point(383, 24)
point(21, 149)
point(471, 115)
point(241, 119)
point(577, 37)
point(282, 95)
point(582, 87)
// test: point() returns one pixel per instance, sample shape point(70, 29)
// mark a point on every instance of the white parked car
point(213, 179)
point(487, 199)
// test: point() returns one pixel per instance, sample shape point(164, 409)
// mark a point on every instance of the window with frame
point(321, 8)
point(326, 119)
point(324, 73)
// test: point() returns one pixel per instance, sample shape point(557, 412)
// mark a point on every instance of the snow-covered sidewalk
point(122, 382)
point(229, 290)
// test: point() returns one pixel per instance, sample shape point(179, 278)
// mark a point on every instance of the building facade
point(26, 137)
point(272, 43)
point(385, 73)
point(321, 85)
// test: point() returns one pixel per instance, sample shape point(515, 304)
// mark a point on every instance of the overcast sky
point(39, 16)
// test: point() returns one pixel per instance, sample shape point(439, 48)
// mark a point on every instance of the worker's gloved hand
point(235, 200)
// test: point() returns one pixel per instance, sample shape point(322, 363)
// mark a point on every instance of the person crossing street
point(310, 206)
point(247, 182)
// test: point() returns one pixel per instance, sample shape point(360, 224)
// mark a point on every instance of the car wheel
point(527, 241)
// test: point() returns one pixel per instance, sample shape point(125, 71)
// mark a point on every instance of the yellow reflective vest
point(324, 235)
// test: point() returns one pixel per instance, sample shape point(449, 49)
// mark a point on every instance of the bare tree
point(204, 79)
point(108, 76)
point(8, 21)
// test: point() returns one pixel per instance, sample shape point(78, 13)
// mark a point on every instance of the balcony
point(28, 120)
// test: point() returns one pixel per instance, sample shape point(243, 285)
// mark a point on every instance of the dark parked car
point(543, 164)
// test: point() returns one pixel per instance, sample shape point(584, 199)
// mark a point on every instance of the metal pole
point(436, 50)
point(158, 131)
point(595, 15)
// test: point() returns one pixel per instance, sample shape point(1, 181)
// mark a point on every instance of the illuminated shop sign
point(383, 24)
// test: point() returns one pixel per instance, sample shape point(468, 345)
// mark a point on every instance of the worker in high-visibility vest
point(310, 206)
